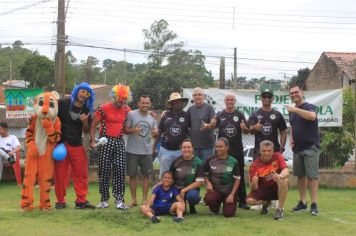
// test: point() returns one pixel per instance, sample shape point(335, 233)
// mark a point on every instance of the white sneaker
point(103, 204)
point(121, 206)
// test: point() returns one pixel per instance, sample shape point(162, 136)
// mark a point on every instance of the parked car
point(248, 156)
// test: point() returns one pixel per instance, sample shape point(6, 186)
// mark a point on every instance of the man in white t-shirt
point(9, 145)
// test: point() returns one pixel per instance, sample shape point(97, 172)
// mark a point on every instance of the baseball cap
point(266, 90)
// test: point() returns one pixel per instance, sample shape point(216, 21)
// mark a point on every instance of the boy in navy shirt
point(165, 200)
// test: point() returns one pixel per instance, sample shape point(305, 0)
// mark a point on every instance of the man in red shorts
point(268, 180)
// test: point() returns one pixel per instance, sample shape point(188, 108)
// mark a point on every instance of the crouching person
point(165, 200)
point(268, 180)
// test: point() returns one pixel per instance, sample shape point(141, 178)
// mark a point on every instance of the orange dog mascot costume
point(42, 134)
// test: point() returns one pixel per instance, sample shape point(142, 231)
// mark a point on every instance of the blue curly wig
point(74, 96)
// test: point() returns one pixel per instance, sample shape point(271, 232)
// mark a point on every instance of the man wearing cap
point(173, 129)
point(202, 125)
point(112, 155)
point(265, 124)
point(231, 123)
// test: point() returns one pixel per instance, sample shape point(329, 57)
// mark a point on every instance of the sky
point(273, 38)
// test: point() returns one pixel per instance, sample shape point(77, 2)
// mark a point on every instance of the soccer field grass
point(337, 217)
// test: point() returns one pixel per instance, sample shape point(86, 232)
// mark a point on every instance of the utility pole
point(222, 73)
point(235, 68)
point(60, 54)
point(125, 65)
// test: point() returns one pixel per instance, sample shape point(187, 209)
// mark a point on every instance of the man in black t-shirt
point(266, 122)
point(75, 115)
point(231, 123)
point(173, 129)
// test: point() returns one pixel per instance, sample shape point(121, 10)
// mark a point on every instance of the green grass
point(337, 217)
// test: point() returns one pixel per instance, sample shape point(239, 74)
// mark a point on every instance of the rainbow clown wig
point(89, 102)
point(121, 93)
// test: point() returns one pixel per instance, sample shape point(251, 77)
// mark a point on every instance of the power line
point(23, 7)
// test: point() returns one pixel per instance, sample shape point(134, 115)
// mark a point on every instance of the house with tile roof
point(332, 71)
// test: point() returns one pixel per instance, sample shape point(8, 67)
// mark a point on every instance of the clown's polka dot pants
point(112, 157)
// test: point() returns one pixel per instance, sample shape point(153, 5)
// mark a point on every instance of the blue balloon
point(60, 152)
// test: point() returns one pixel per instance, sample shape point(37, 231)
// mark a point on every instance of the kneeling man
point(268, 180)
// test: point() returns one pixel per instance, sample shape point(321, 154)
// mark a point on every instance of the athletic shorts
point(158, 211)
point(136, 161)
point(265, 192)
point(306, 163)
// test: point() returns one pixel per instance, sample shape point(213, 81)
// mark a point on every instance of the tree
point(90, 71)
point(188, 68)
point(159, 40)
point(157, 85)
point(39, 71)
point(300, 78)
point(10, 60)
point(337, 143)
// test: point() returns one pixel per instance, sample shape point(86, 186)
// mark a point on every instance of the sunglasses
point(84, 92)
point(267, 96)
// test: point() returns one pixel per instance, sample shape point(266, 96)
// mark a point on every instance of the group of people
point(189, 155)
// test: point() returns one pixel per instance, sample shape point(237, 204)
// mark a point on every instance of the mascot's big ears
point(56, 95)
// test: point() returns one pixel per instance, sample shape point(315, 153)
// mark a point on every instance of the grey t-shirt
point(201, 139)
point(140, 144)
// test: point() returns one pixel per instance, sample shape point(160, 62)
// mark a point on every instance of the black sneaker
point(314, 209)
point(192, 209)
point(279, 214)
point(244, 206)
point(300, 207)
point(178, 219)
point(60, 206)
point(155, 219)
point(84, 205)
point(265, 207)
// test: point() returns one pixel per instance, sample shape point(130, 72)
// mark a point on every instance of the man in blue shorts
point(165, 200)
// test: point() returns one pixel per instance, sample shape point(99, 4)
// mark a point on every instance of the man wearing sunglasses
point(75, 115)
point(266, 122)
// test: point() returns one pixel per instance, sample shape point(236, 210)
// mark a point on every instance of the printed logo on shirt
point(175, 130)
point(145, 128)
point(213, 167)
point(230, 130)
point(178, 169)
point(228, 169)
point(74, 115)
point(171, 195)
point(193, 171)
point(267, 129)
point(181, 119)
point(272, 116)
point(236, 118)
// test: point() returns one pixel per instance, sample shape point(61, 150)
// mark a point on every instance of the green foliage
point(159, 40)
point(39, 71)
point(337, 143)
point(157, 85)
point(188, 69)
point(301, 77)
point(11, 58)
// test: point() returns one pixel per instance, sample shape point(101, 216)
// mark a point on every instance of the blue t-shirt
point(164, 198)
point(305, 132)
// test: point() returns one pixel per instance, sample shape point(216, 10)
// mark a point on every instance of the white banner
point(328, 102)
